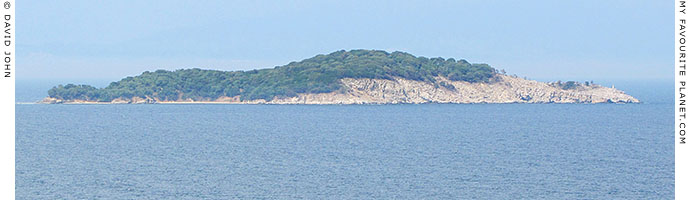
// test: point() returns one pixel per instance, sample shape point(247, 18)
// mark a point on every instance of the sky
point(542, 40)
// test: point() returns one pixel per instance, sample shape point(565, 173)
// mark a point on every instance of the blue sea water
point(434, 151)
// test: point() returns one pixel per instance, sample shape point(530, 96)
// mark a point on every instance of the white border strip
point(7, 101)
point(682, 185)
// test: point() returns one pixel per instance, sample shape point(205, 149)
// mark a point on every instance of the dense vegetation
point(314, 75)
point(570, 85)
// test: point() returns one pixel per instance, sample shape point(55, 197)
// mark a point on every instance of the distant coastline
point(343, 77)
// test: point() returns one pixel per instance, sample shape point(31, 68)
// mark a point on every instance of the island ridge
point(342, 77)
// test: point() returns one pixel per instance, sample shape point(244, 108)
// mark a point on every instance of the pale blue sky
point(543, 40)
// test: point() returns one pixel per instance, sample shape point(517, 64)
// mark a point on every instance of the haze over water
point(476, 151)
point(487, 151)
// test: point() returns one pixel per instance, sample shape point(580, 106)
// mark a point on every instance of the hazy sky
point(544, 40)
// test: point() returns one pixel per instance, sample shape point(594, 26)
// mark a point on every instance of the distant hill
point(342, 77)
point(319, 74)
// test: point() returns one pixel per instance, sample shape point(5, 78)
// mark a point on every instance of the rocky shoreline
point(506, 89)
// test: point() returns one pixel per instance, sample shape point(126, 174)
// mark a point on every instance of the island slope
point(342, 77)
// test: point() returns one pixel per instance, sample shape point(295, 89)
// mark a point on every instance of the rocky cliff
point(504, 89)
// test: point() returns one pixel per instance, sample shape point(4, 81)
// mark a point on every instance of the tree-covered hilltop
point(319, 74)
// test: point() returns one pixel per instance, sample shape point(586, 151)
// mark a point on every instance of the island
point(341, 77)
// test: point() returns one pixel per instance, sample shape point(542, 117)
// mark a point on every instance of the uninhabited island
point(341, 77)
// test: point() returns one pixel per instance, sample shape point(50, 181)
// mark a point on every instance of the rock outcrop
point(505, 89)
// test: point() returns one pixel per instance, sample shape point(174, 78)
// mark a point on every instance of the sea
point(430, 151)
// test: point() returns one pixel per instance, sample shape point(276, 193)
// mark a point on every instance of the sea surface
point(433, 151)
